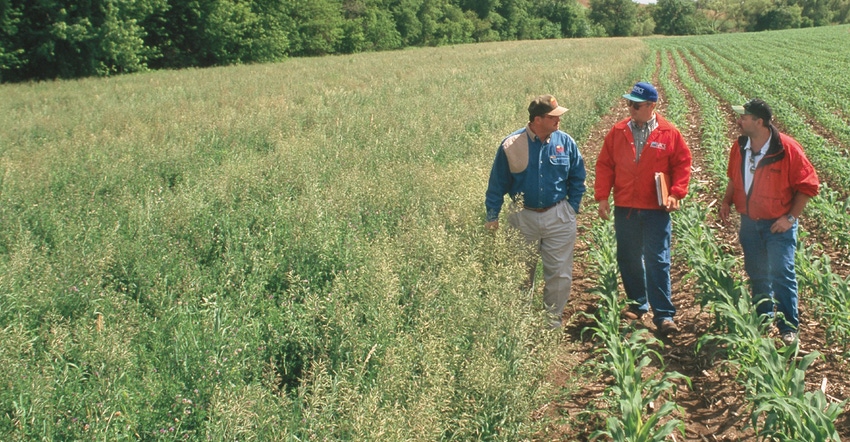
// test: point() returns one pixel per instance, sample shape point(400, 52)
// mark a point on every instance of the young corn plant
point(773, 378)
point(832, 303)
point(784, 409)
point(743, 329)
point(604, 256)
point(712, 269)
point(626, 355)
point(635, 393)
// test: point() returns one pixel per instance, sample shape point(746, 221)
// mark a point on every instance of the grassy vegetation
point(295, 251)
point(287, 251)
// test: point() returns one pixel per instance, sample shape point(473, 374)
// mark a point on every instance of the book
point(662, 187)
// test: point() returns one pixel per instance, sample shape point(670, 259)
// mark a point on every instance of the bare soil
point(714, 406)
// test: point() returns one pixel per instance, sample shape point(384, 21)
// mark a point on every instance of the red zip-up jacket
point(782, 172)
point(634, 182)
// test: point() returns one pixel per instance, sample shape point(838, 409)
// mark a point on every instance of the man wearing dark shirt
point(541, 169)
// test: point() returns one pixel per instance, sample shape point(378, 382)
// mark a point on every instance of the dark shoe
point(788, 338)
point(667, 326)
point(630, 315)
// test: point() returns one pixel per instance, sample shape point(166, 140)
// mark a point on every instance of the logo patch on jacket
point(559, 149)
point(657, 145)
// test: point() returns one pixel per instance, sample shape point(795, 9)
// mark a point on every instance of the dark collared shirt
point(541, 172)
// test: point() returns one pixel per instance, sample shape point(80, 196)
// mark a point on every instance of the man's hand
point(492, 225)
point(672, 204)
point(726, 204)
point(781, 225)
point(725, 210)
point(604, 209)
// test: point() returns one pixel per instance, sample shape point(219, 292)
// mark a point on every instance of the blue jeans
point(769, 262)
point(643, 256)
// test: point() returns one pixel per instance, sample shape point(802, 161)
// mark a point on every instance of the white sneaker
point(789, 338)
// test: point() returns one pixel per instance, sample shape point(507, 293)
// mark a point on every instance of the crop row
point(773, 378)
point(627, 356)
point(832, 302)
point(628, 353)
point(831, 298)
point(829, 212)
point(770, 86)
point(813, 76)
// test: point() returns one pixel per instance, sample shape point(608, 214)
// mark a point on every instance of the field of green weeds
point(288, 251)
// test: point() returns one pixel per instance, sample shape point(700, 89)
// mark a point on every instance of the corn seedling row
point(627, 354)
point(827, 157)
point(773, 379)
point(829, 210)
point(832, 301)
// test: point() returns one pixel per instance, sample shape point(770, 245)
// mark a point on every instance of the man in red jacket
point(770, 182)
point(635, 150)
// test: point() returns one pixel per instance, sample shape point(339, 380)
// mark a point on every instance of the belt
point(541, 209)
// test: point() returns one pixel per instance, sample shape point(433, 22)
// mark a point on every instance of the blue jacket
point(542, 172)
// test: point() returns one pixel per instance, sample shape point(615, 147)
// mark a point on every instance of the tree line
point(50, 39)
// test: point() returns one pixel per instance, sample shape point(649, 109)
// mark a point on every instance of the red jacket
point(634, 182)
point(782, 172)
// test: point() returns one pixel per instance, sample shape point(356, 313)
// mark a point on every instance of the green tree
point(570, 17)
point(518, 24)
point(484, 29)
point(815, 12)
point(482, 8)
point(751, 11)
point(644, 21)
point(11, 58)
point(840, 11)
point(443, 22)
point(218, 32)
point(720, 15)
point(406, 15)
point(319, 26)
point(369, 25)
point(48, 39)
point(779, 17)
point(617, 17)
point(675, 17)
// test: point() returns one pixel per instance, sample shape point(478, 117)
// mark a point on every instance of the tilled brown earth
point(714, 405)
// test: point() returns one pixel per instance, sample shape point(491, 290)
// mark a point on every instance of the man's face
point(641, 112)
point(748, 124)
point(548, 124)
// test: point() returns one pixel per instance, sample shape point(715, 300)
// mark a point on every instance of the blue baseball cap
point(642, 91)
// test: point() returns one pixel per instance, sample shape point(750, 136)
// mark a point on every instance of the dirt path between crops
point(714, 408)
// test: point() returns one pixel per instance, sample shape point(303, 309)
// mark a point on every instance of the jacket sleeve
point(576, 186)
point(605, 169)
point(498, 185)
point(680, 168)
point(804, 179)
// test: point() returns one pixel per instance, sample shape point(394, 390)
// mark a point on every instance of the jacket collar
point(775, 147)
point(775, 151)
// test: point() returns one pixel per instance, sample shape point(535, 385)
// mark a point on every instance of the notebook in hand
point(662, 187)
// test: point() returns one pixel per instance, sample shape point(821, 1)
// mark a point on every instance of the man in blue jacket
point(541, 169)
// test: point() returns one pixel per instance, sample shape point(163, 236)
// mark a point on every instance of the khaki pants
point(552, 234)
